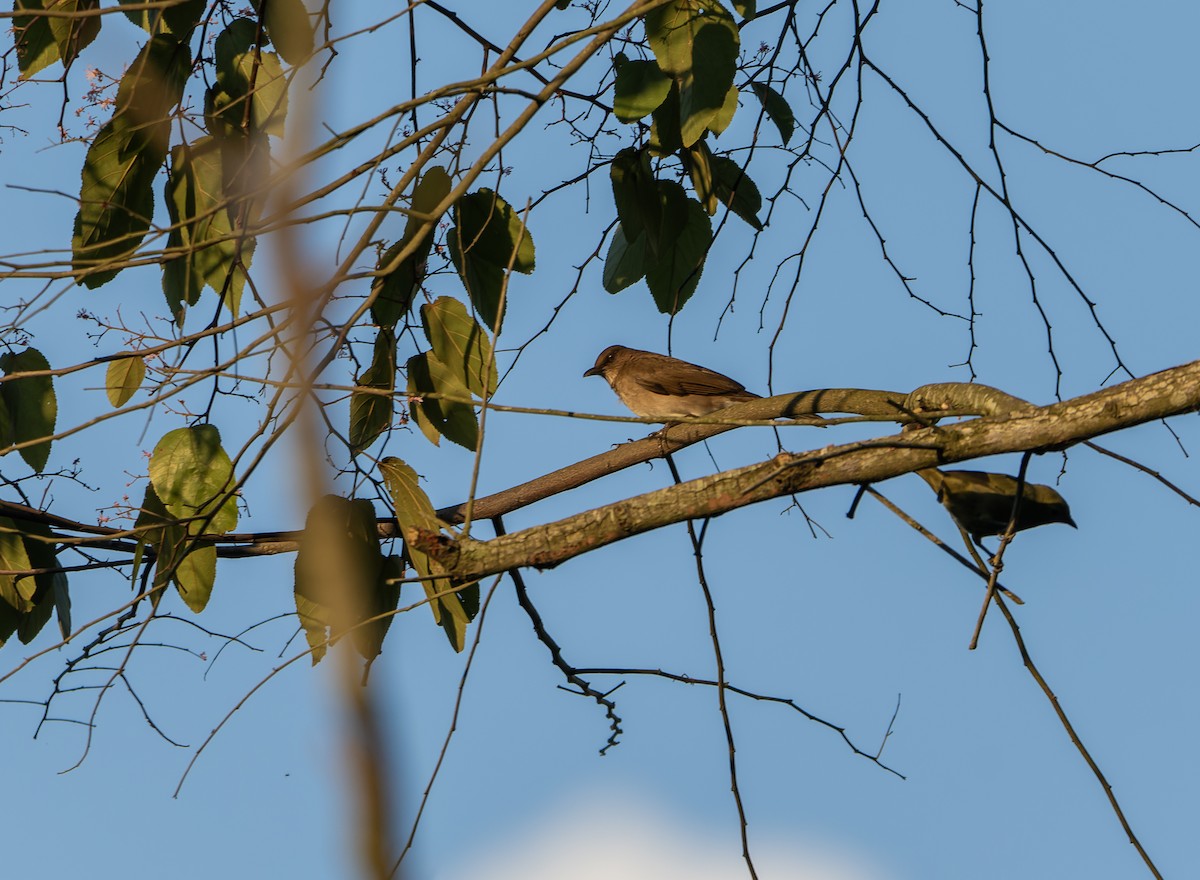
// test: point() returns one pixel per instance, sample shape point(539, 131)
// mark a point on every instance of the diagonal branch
point(1167, 393)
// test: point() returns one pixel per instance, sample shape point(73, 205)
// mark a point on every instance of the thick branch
point(1170, 392)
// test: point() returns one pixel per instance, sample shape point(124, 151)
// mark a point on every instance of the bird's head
point(608, 359)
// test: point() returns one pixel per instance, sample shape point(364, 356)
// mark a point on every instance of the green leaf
point(461, 344)
point(10, 619)
point(41, 40)
point(672, 217)
point(338, 567)
point(665, 137)
point(441, 399)
point(736, 190)
point(454, 610)
point(192, 475)
point(483, 280)
point(123, 379)
point(17, 591)
point(674, 277)
point(371, 413)
point(397, 288)
point(625, 263)
point(368, 638)
point(204, 216)
point(153, 85)
point(641, 86)
point(195, 575)
point(491, 230)
point(704, 96)
point(488, 235)
point(62, 603)
point(6, 425)
point(116, 196)
point(178, 19)
point(696, 42)
point(181, 282)
point(116, 200)
point(289, 28)
point(635, 192)
point(778, 109)
point(31, 403)
point(32, 623)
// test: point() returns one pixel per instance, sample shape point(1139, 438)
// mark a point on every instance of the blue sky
point(845, 622)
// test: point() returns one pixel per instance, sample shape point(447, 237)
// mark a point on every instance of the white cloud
point(601, 836)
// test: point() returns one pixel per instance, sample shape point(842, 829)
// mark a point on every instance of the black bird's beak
point(594, 371)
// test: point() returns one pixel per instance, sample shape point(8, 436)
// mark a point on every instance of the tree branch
point(1167, 393)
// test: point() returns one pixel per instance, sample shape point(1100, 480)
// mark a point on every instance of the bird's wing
point(675, 377)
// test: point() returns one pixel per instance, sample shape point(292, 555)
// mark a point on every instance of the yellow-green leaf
point(640, 87)
point(195, 575)
point(17, 591)
point(162, 532)
point(289, 28)
point(238, 65)
point(123, 379)
point(442, 400)
point(193, 476)
point(461, 344)
point(696, 42)
point(51, 586)
point(31, 404)
point(451, 605)
point(724, 116)
point(314, 619)
point(698, 161)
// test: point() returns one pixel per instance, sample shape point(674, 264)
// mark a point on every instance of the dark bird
point(982, 502)
point(664, 388)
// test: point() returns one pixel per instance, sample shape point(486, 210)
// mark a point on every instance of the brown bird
point(982, 502)
point(664, 388)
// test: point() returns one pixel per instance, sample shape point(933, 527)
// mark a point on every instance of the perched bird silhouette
point(982, 502)
point(664, 388)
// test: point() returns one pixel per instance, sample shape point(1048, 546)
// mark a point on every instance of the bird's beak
point(1071, 522)
point(594, 371)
